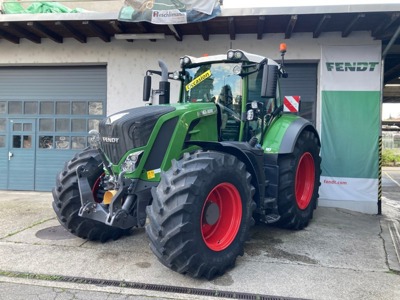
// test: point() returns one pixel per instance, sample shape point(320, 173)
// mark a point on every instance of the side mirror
point(146, 87)
point(250, 115)
point(269, 81)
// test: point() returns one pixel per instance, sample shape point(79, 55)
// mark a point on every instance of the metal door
point(21, 154)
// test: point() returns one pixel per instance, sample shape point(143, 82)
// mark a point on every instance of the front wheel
point(299, 180)
point(201, 214)
point(67, 201)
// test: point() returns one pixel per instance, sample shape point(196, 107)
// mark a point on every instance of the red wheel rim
point(95, 189)
point(305, 180)
point(223, 207)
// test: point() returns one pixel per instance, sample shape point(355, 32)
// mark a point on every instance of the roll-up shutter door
point(302, 81)
point(45, 116)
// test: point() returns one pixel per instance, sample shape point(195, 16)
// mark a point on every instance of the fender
point(252, 157)
point(282, 135)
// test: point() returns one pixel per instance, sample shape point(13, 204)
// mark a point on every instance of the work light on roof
point(235, 55)
point(185, 61)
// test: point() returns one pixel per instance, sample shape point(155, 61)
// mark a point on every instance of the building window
point(62, 142)
point(2, 125)
point(46, 124)
point(79, 108)
point(15, 107)
point(30, 108)
point(46, 108)
point(78, 125)
point(62, 108)
point(3, 107)
point(95, 108)
point(78, 142)
point(45, 142)
point(62, 125)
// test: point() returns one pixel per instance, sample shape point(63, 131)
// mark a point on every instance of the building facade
point(53, 93)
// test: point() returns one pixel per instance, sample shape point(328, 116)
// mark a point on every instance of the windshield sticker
point(198, 80)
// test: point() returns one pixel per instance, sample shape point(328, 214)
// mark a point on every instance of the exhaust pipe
point(164, 85)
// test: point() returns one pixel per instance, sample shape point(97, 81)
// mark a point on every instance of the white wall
point(127, 62)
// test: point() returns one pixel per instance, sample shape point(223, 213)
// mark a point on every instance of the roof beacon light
point(282, 48)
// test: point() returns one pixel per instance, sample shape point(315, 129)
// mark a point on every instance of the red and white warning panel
point(291, 104)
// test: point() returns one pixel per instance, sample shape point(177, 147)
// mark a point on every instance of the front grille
point(129, 129)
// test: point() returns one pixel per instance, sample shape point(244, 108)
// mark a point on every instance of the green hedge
point(391, 157)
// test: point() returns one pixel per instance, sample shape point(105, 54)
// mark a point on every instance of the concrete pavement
point(341, 255)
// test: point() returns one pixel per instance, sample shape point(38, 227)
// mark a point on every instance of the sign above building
point(169, 11)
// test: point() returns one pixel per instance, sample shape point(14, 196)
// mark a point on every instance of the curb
point(394, 230)
point(391, 238)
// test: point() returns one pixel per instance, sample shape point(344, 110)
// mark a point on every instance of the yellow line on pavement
point(390, 177)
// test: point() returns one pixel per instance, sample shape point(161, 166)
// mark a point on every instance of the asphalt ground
point(340, 255)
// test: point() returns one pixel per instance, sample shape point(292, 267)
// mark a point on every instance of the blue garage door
point(45, 116)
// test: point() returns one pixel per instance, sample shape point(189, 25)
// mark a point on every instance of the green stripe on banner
point(350, 133)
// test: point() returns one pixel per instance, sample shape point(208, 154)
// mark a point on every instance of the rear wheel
point(201, 214)
point(67, 202)
point(299, 181)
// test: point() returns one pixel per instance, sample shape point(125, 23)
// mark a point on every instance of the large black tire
point(299, 181)
point(67, 202)
point(201, 214)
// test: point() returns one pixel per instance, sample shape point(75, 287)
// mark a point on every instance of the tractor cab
point(243, 86)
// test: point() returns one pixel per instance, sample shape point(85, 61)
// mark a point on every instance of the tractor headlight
point(131, 162)
point(94, 139)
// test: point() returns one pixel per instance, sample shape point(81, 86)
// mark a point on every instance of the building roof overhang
point(381, 21)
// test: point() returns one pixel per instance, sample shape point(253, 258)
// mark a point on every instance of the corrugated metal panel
point(21, 170)
point(302, 81)
point(47, 84)
point(53, 83)
point(48, 164)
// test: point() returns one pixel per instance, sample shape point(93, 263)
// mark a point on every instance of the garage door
point(302, 81)
point(45, 115)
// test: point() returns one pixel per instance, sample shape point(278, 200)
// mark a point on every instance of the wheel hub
point(221, 216)
point(211, 213)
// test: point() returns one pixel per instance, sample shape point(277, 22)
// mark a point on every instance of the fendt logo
point(351, 66)
point(110, 140)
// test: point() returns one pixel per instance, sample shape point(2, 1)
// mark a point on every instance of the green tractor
point(200, 172)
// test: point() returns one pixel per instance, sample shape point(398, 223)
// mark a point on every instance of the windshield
point(220, 84)
point(214, 83)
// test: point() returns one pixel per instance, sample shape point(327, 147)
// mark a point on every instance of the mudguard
point(283, 133)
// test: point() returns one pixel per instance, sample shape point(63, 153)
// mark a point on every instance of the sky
point(390, 110)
